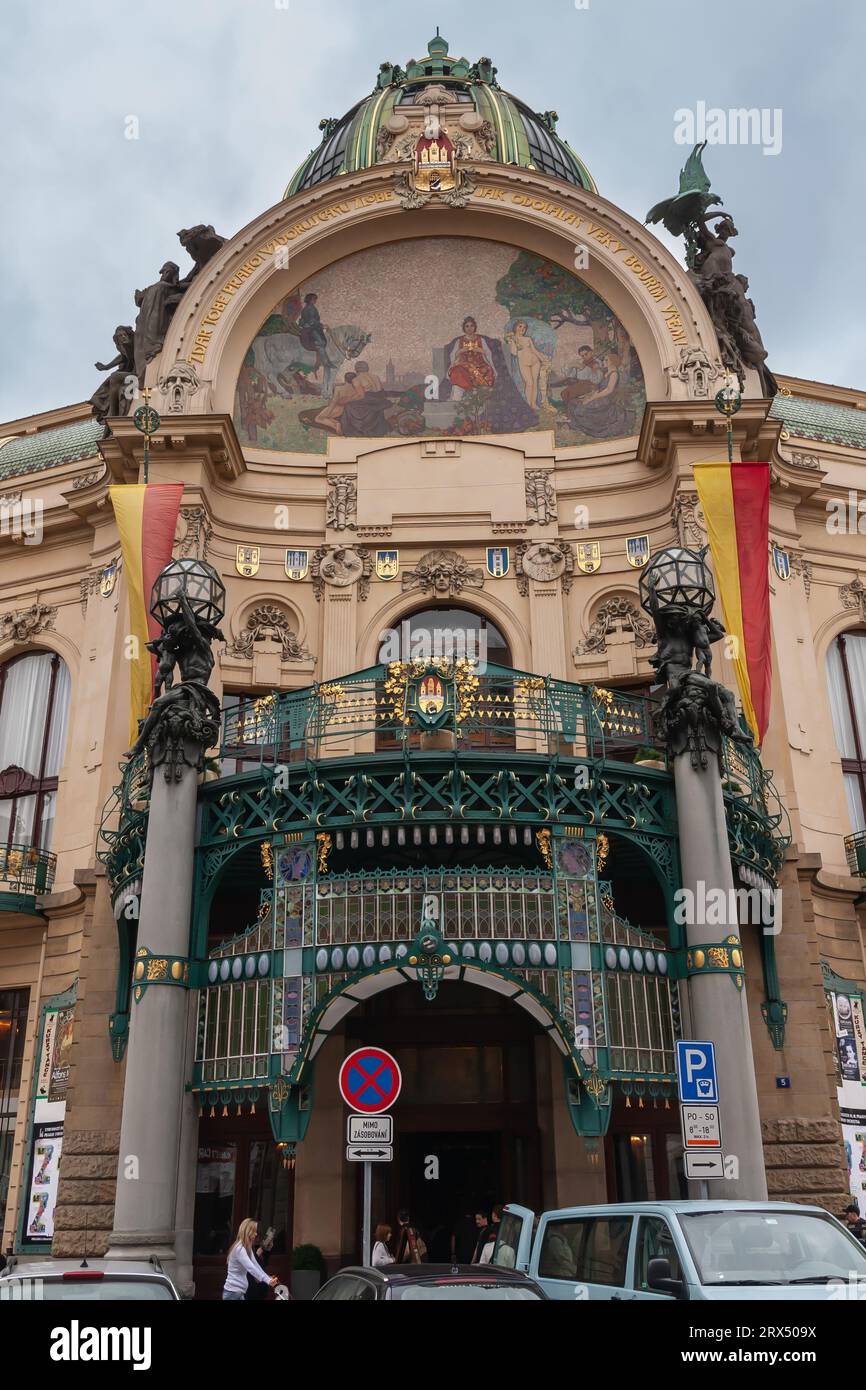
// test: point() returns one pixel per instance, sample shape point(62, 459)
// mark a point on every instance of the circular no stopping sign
point(370, 1080)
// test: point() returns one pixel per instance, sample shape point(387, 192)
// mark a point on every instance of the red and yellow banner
point(735, 499)
point(146, 515)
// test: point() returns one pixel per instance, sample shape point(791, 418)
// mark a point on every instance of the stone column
point(718, 1009)
point(696, 715)
point(153, 1097)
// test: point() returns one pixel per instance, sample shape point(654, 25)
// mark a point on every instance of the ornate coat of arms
point(297, 563)
point(108, 579)
point(588, 556)
point(435, 172)
point(387, 564)
point(430, 700)
point(781, 562)
point(247, 560)
point(637, 549)
point(497, 561)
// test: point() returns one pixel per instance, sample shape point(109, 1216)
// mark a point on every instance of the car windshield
point(107, 1290)
point(771, 1247)
point(487, 1291)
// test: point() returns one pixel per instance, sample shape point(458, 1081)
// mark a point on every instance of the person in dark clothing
point(482, 1226)
point(854, 1221)
point(411, 1246)
point(262, 1251)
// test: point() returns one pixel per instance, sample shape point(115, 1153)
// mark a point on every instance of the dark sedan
point(430, 1283)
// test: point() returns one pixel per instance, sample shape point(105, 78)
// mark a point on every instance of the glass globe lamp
point(200, 585)
point(678, 576)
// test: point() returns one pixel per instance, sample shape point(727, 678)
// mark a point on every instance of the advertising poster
point(847, 1013)
point(46, 1139)
point(44, 1176)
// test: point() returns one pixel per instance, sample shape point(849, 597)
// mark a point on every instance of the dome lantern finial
point(438, 47)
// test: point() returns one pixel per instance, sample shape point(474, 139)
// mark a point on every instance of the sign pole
point(368, 1213)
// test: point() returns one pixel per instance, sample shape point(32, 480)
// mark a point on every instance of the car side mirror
point(660, 1280)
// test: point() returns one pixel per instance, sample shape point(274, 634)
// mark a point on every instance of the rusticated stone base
point(85, 1199)
point(805, 1162)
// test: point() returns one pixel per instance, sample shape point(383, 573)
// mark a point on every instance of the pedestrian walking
point(382, 1246)
point(242, 1261)
point(261, 1253)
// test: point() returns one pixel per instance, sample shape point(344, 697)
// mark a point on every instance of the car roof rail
point(156, 1262)
point(11, 1262)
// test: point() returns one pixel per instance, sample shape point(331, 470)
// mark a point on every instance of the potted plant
point(649, 757)
point(308, 1271)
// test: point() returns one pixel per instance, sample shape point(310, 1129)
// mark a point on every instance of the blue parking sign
point(696, 1073)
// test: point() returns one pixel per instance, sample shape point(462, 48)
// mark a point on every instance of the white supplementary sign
point(369, 1129)
point(705, 1166)
point(701, 1126)
point(369, 1153)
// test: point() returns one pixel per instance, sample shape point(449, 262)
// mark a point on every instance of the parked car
point(681, 1249)
point(86, 1281)
point(429, 1284)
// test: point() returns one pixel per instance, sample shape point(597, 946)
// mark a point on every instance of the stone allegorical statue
point(200, 243)
point(115, 395)
point(156, 305)
point(181, 714)
point(709, 259)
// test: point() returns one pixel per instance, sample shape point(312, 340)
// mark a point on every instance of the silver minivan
point(687, 1250)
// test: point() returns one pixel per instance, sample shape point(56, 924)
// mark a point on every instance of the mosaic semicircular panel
point(440, 335)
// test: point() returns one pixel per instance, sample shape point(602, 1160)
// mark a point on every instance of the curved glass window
point(545, 151)
point(328, 159)
point(846, 683)
point(34, 706)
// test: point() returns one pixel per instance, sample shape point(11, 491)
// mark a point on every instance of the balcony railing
point(26, 870)
point(855, 849)
point(498, 710)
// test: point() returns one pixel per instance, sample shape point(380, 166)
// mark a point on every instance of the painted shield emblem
point(108, 579)
point(247, 560)
point(637, 551)
point(497, 560)
point(297, 563)
point(588, 556)
point(431, 697)
point(781, 562)
point(387, 563)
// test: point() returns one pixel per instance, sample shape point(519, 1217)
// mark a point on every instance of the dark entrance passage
point(466, 1123)
point(444, 1180)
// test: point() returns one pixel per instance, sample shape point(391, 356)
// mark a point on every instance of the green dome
point(497, 126)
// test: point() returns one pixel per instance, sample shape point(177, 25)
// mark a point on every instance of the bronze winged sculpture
point(710, 263)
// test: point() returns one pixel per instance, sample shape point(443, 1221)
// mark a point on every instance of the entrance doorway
point(466, 1131)
point(444, 1180)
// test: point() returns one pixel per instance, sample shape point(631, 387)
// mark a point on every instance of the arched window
point(846, 680)
point(445, 632)
point(454, 634)
point(34, 705)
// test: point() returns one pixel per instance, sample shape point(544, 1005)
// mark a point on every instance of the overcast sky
point(228, 95)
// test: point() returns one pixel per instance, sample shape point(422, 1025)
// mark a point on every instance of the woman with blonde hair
point(242, 1262)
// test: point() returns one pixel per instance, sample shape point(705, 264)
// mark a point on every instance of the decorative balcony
point(25, 874)
point(425, 821)
point(855, 850)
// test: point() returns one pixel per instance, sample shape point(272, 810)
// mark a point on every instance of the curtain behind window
point(22, 717)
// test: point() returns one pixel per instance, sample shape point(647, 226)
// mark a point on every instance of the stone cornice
point(211, 438)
